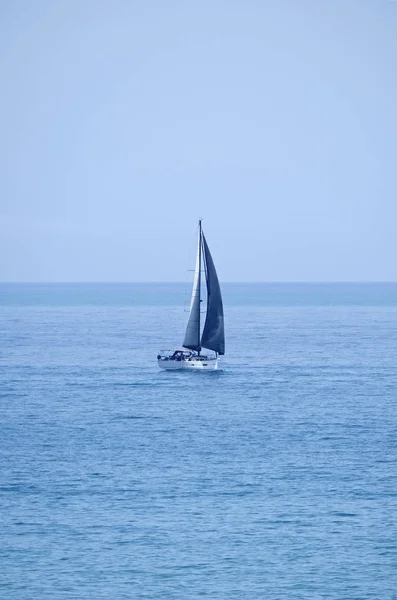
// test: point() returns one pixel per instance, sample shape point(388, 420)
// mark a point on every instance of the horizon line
point(268, 282)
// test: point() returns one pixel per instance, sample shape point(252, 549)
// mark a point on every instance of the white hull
point(210, 364)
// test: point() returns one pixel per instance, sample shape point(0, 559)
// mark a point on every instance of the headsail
point(213, 336)
point(192, 335)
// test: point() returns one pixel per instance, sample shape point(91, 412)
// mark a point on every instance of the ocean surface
point(275, 478)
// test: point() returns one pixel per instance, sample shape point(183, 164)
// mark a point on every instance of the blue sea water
point(275, 478)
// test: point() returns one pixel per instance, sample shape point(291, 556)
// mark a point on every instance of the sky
point(123, 122)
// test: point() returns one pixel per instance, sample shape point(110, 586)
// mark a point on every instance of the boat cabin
point(178, 354)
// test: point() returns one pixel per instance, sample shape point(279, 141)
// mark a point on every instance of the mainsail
point(213, 336)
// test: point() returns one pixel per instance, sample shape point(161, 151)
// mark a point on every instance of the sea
point(274, 478)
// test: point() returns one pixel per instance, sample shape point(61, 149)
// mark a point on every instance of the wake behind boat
point(213, 335)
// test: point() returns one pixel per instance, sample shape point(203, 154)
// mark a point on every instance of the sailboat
point(213, 335)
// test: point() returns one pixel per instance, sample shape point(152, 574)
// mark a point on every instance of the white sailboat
point(213, 334)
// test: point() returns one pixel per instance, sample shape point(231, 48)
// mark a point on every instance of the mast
point(199, 281)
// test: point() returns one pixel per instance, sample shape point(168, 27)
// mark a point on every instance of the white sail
point(192, 336)
point(195, 290)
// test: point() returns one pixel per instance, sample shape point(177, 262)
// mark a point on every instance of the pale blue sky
point(122, 122)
